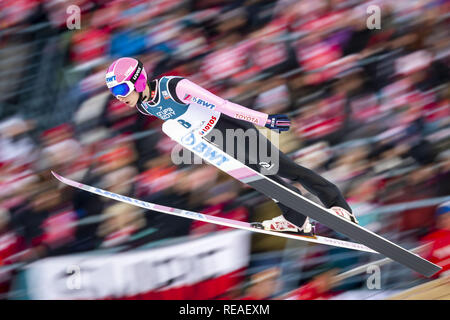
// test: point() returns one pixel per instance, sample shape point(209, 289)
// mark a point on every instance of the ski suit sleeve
point(187, 90)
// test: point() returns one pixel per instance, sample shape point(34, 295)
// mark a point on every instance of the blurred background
point(369, 110)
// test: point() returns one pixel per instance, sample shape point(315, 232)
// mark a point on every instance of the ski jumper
point(197, 108)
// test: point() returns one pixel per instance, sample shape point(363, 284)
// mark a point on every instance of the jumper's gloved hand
point(278, 122)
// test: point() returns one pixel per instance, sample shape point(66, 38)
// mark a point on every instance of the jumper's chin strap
point(139, 105)
point(141, 98)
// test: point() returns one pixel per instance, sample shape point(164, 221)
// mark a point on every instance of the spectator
point(438, 251)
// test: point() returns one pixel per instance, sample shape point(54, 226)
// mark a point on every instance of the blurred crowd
point(369, 110)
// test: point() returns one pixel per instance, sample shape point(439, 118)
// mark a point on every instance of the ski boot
point(344, 214)
point(280, 224)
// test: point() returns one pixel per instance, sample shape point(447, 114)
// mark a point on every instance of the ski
point(211, 219)
point(194, 142)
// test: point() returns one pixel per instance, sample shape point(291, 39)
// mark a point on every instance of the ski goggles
point(122, 90)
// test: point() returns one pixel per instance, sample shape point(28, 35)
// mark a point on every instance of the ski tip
point(57, 176)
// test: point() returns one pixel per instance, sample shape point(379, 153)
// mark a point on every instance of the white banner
point(90, 276)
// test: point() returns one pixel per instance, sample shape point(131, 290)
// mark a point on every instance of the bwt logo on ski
point(208, 126)
point(203, 103)
point(205, 151)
